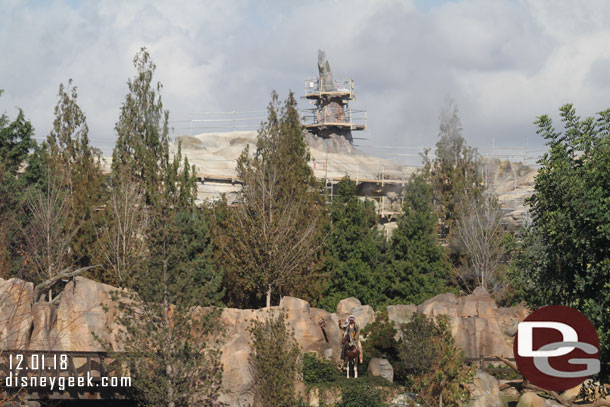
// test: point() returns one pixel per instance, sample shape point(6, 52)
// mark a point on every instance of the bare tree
point(479, 235)
point(120, 245)
point(49, 235)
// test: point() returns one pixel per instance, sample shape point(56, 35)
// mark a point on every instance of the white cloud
point(504, 62)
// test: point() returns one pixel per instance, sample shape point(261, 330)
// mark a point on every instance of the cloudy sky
point(503, 61)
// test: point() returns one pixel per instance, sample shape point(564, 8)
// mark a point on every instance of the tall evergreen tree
point(168, 340)
point(76, 165)
point(142, 146)
point(15, 143)
point(454, 173)
point(356, 260)
point(419, 266)
point(269, 243)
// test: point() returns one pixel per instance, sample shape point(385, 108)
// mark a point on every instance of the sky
point(503, 62)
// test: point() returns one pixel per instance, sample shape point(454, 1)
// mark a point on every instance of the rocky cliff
point(85, 308)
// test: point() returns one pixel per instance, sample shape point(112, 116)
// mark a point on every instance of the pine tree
point(142, 147)
point(169, 342)
point(355, 258)
point(15, 143)
point(269, 243)
point(419, 266)
point(454, 172)
point(76, 165)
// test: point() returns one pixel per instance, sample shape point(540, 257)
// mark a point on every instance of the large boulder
point(474, 322)
point(401, 314)
point(308, 332)
point(44, 333)
point(352, 306)
point(85, 310)
point(315, 330)
point(531, 399)
point(509, 318)
point(381, 367)
point(345, 306)
point(329, 326)
point(16, 298)
point(485, 391)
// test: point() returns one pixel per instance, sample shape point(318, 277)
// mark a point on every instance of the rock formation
point(85, 308)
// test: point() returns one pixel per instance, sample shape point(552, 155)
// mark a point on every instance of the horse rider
point(350, 327)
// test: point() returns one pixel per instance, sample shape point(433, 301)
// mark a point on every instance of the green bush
point(428, 352)
point(362, 395)
point(274, 362)
point(380, 343)
point(317, 369)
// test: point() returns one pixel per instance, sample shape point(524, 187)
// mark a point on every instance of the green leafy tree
point(142, 146)
point(269, 243)
point(355, 251)
point(61, 210)
point(76, 165)
point(565, 257)
point(274, 362)
point(435, 365)
point(171, 344)
point(419, 266)
point(15, 143)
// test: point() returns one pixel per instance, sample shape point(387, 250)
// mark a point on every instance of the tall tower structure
point(331, 114)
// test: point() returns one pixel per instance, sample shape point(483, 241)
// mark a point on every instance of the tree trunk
point(268, 302)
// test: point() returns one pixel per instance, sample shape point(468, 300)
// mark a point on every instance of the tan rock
point(509, 318)
point(81, 315)
point(344, 307)
point(329, 326)
point(364, 315)
point(531, 399)
point(474, 322)
point(442, 304)
point(44, 334)
point(352, 306)
point(401, 314)
point(485, 391)
point(16, 297)
point(479, 304)
point(308, 333)
point(381, 367)
point(236, 378)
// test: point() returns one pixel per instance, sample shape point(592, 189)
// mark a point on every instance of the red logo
point(557, 348)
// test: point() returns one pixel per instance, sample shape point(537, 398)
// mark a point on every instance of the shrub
point(436, 365)
point(362, 395)
point(380, 343)
point(274, 362)
point(317, 369)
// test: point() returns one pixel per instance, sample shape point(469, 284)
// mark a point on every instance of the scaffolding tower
point(331, 114)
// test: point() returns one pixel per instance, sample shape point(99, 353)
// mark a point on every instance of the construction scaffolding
point(331, 115)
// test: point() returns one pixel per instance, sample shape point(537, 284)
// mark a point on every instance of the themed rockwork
point(85, 308)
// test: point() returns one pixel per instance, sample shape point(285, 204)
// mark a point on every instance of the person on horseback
point(350, 327)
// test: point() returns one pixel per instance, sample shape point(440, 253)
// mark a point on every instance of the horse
point(352, 354)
